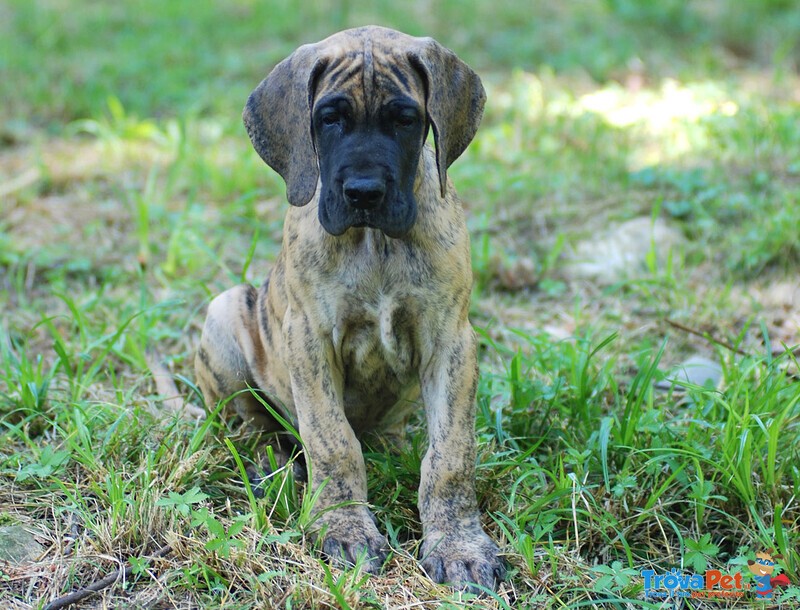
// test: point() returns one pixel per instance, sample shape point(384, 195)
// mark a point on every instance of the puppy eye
point(331, 118)
point(406, 120)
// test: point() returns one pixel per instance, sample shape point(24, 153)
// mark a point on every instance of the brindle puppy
point(367, 304)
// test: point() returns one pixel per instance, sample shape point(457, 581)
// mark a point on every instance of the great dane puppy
point(366, 306)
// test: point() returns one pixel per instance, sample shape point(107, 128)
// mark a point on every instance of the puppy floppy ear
point(455, 99)
point(277, 117)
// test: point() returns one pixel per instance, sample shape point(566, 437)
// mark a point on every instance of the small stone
point(18, 545)
point(695, 370)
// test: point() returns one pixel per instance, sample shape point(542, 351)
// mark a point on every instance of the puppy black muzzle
point(366, 190)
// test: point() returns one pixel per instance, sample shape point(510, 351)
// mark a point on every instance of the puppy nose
point(364, 193)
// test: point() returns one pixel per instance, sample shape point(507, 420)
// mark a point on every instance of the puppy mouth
point(388, 229)
point(394, 217)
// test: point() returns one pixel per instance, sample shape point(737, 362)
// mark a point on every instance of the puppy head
point(352, 113)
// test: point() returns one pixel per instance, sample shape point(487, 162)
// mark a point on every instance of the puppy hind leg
point(228, 353)
point(286, 452)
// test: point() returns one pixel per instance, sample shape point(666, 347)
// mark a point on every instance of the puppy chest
point(380, 361)
point(377, 345)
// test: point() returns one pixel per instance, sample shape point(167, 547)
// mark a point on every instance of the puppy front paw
point(463, 559)
point(349, 534)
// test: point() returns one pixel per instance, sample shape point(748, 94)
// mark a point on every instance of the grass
point(130, 197)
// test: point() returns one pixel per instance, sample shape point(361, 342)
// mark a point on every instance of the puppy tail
point(167, 390)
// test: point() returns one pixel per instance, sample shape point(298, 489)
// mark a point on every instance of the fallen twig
point(707, 336)
point(711, 339)
point(99, 585)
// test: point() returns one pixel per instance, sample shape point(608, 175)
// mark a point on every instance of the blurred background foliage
point(61, 59)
